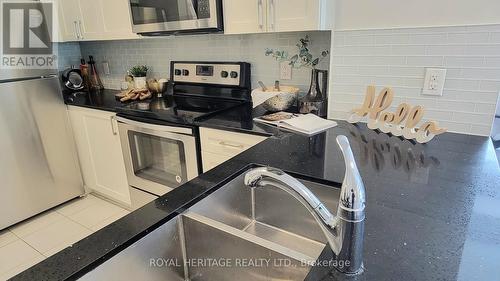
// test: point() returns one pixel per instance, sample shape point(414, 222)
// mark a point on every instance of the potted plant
point(315, 100)
point(139, 72)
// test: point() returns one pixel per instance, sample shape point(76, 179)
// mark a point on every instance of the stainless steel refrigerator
point(38, 161)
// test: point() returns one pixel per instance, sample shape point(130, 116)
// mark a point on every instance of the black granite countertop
point(240, 119)
point(432, 210)
point(102, 100)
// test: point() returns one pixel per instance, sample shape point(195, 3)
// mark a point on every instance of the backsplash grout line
point(399, 57)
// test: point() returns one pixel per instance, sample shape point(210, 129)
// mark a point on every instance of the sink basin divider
point(250, 237)
point(182, 241)
point(252, 196)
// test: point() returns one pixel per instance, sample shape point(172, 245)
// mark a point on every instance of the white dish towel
point(259, 96)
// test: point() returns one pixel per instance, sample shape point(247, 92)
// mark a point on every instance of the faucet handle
point(352, 194)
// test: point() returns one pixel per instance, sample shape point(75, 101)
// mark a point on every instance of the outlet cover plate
point(434, 81)
point(285, 71)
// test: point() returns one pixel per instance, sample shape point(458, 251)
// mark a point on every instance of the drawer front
point(211, 160)
point(227, 143)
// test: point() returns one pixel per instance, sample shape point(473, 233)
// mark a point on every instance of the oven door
point(157, 158)
point(170, 16)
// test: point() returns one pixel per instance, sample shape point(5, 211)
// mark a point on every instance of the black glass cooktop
point(177, 109)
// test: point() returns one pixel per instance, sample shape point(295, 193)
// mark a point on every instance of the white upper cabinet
point(69, 13)
point(116, 19)
point(85, 20)
point(255, 16)
point(294, 15)
point(244, 16)
point(91, 22)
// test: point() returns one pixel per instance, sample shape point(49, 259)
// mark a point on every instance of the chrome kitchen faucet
point(344, 231)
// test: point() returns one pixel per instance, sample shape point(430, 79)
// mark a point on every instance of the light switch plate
point(434, 81)
point(285, 71)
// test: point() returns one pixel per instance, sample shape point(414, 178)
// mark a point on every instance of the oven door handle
point(153, 127)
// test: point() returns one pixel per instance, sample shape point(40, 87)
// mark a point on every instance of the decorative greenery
point(303, 59)
point(139, 70)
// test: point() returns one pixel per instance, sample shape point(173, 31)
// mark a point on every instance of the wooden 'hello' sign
point(402, 122)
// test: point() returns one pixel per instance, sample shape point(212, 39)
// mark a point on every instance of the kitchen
point(163, 152)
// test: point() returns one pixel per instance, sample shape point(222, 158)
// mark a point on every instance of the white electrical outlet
point(285, 71)
point(434, 81)
point(105, 67)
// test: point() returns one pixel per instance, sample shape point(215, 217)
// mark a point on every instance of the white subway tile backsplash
point(392, 39)
point(462, 61)
point(68, 54)
point(471, 55)
point(455, 105)
point(157, 52)
point(388, 60)
point(492, 61)
point(493, 85)
point(470, 96)
point(461, 84)
point(425, 61)
point(359, 40)
point(457, 127)
point(408, 50)
point(427, 38)
point(373, 70)
point(485, 108)
point(473, 118)
point(495, 37)
point(483, 50)
point(480, 130)
point(481, 73)
point(446, 50)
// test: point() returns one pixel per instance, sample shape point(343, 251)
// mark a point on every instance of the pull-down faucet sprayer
point(345, 230)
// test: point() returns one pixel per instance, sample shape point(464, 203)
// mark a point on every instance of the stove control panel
point(230, 74)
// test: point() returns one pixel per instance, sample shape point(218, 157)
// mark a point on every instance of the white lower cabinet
point(218, 146)
point(212, 160)
point(100, 153)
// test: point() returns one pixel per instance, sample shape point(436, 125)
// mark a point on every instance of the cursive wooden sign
point(403, 122)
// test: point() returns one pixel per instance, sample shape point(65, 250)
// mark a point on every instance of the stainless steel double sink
point(235, 233)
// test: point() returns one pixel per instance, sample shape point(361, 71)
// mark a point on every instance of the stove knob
point(185, 72)
point(234, 74)
point(177, 72)
point(224, 74)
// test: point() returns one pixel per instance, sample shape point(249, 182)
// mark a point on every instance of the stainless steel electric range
point(159, 137)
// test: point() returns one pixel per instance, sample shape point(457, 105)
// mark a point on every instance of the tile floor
point(30, 242)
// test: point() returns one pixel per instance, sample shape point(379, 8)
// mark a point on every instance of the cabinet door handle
point(223, 143)
point(77, 35)
point(271, 12)
point(80, 28)
point(261, 15)
point(114, 125)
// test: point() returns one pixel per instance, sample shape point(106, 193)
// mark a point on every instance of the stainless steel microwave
point(157, 17)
